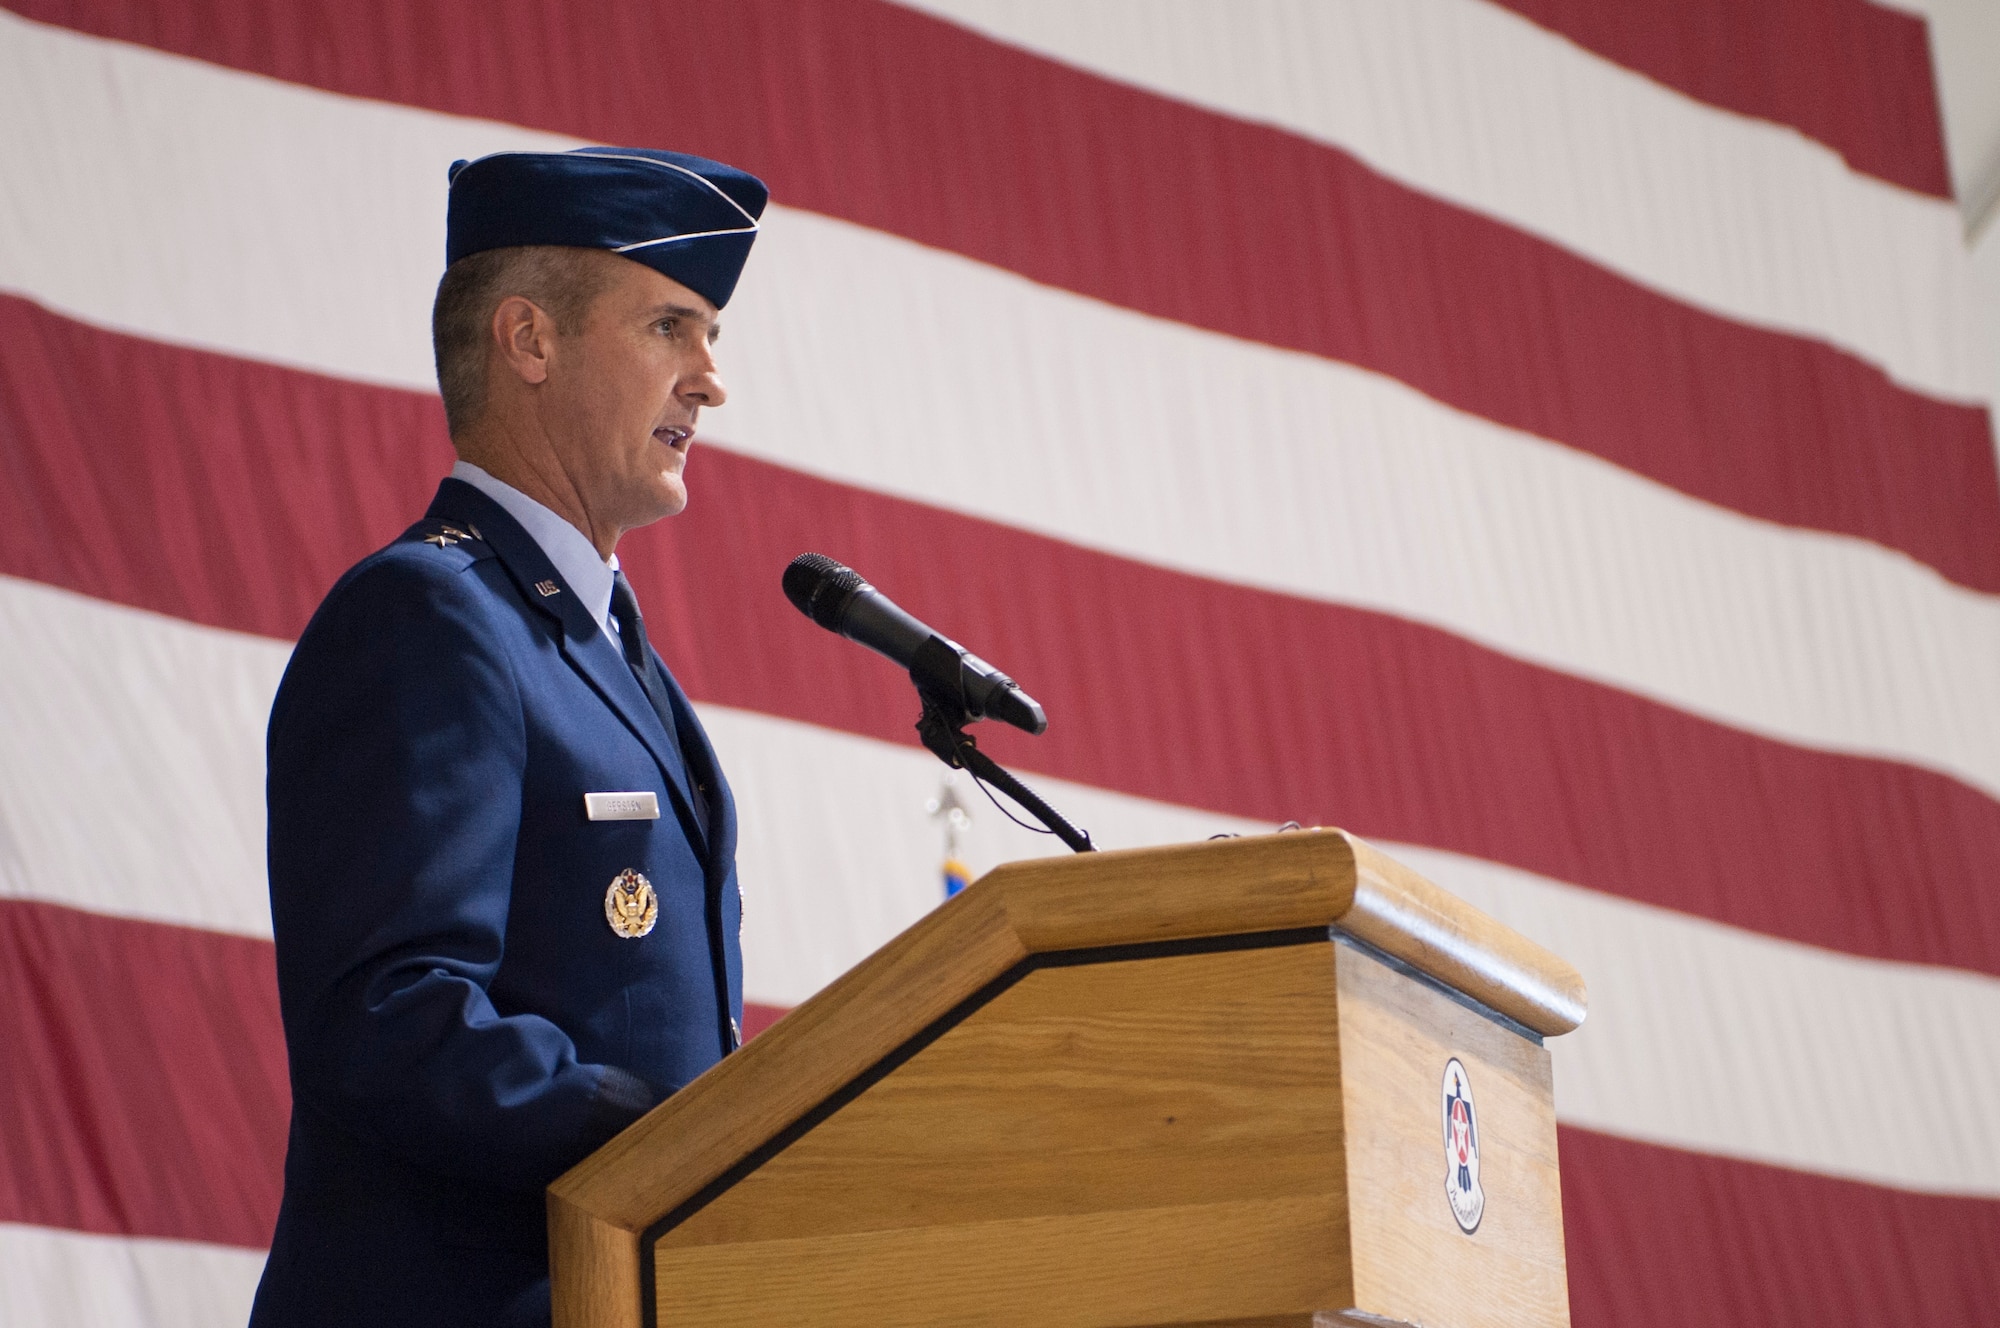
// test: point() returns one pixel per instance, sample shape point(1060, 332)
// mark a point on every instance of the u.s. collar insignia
point(1461, 1149)
point(630, 905)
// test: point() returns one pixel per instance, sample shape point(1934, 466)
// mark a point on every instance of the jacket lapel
point(582, 641)
point(707, 771)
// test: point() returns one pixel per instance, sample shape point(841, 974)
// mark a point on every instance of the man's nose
point(703, 387)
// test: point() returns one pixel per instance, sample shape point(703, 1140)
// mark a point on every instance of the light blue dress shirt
point(587, 575)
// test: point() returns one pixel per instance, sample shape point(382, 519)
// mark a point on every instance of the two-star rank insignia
point(451, 535)
point(630, 905)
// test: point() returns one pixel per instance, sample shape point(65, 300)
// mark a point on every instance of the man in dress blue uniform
point(502, 854)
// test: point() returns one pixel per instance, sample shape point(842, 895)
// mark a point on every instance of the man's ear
point(525, 336)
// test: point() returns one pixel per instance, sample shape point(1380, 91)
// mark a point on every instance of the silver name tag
point(622, 806)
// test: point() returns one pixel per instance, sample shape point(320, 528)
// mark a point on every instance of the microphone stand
point(941, 688)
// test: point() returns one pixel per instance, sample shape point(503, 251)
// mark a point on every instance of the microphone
point(838, 599)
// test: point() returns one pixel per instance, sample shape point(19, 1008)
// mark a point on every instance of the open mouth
point(674, 435)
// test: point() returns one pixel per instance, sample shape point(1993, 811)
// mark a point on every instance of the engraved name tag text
point(643, 806)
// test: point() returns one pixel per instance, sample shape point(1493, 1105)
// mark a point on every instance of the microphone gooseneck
point(955, 686)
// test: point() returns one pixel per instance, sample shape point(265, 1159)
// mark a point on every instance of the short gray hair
point(561, 281)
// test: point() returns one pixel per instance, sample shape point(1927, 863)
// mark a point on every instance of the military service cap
point(686, 217)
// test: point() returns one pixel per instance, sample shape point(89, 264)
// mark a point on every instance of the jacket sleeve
point(395, 769)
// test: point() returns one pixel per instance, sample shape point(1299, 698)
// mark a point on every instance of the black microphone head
point(821, 588)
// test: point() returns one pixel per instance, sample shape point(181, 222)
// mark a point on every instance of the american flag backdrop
point(1548, 438)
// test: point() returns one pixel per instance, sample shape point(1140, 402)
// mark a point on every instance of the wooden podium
point(1208, 1084)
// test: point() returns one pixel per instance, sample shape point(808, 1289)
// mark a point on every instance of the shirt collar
point(575, 557)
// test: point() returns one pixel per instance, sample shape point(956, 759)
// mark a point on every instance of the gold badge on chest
point(630, 905)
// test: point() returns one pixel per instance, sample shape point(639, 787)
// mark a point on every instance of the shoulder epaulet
point(446, 535)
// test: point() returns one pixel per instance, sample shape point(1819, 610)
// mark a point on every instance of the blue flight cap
point(687, 217)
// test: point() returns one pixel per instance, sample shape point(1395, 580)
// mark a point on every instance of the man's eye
point(668, 326)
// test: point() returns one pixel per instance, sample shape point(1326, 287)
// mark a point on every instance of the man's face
point(624, 389)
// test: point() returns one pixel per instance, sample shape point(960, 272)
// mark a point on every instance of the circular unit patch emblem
point(1461, 1148)
point(630, 905)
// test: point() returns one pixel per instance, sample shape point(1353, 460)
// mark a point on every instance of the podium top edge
point(1307, 878)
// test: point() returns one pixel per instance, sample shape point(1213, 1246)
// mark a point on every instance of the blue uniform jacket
point(463, 1022)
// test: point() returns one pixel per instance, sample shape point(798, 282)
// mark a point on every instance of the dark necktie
point(638, 654)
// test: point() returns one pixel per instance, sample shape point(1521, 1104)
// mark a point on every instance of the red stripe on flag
point(233, 493)
point(1852, 74)
point(195, 484)
point(144, 1090)
point(1657, 1236)
point(897, 121)
point(1274, 707)
point(757, 1018)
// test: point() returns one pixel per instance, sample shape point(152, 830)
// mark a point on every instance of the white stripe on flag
point(212, 208)
point(1700, 1036)
point(132, 773)
point(1478, 106)
point(74, 1279)
point(1721, 1040)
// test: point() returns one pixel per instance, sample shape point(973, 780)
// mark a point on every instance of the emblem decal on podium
point(630, 905)
point(1461, 1149)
